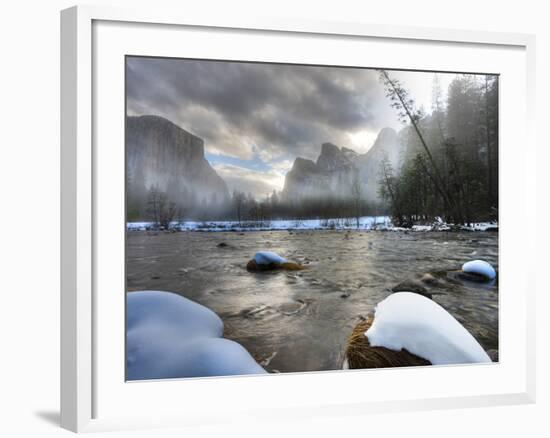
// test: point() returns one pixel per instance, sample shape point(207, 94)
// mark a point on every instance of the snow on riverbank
point(366, 223)
point(406, 320)
point(169, 336)
point(481, 226)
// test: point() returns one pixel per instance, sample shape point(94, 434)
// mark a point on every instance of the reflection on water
point(299, 321)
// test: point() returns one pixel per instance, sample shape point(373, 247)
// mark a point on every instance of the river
point(300, 321)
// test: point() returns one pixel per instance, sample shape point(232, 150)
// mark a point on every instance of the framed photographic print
point(300, 208)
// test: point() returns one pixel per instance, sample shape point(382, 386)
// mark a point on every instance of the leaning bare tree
point(405, 105)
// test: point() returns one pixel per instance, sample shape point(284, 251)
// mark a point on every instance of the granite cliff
point(161, 154)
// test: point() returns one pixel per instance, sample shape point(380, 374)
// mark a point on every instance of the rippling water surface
point(299, 321)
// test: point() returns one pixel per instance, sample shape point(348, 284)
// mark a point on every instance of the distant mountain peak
point(332, 174)
point(304, 165)
point(329, 149)
point(348, 151)
point(387, 131)
point(333, 158)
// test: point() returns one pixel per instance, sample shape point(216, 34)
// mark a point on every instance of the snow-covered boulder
point(268, 258)
point(479, 268)
point(169, 336)
point(269, 261)
point(361, 354)
point(409, 321)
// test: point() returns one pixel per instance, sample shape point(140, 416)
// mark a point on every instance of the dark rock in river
point(493, 354)
point(429, 279)
point(469, 276)
point(412, 286)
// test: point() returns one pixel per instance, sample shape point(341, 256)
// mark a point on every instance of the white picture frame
point(91, 37)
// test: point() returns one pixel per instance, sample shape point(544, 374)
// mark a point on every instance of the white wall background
point(29, 216)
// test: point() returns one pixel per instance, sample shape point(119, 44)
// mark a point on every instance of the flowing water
point(300, 321)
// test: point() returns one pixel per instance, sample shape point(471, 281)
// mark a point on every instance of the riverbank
point(365, 223)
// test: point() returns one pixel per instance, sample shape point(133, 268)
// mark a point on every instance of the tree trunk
point(436, 177)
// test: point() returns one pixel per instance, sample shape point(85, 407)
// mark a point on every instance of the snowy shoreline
point(366, 223)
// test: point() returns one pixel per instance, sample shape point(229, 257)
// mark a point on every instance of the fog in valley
point(209, 140)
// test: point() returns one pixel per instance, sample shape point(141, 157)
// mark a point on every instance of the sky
point(256, 118)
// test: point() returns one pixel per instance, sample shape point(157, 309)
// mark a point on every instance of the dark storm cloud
point(237, 108)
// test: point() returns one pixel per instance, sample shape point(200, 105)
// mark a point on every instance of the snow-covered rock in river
point(409, 321)
point(169, 336)
point(480, 268)
point(268, 257)
point(361, 354)
point(269, 261)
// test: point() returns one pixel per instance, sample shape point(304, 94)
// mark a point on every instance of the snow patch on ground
point(366, 223)
point(422, 228)
point(406, 320)
point(169, 336)
point(481, 226)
